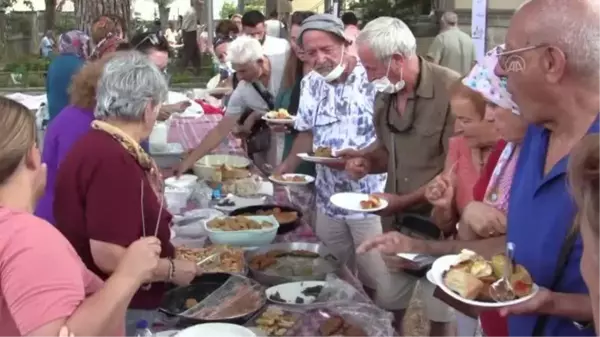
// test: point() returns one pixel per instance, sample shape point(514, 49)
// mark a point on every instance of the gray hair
point(129, 82)
point(244, 49)
point(386, 36)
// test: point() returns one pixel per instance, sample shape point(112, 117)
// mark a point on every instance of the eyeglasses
point(504, 55)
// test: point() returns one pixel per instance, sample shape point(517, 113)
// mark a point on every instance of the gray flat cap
point(324, 22)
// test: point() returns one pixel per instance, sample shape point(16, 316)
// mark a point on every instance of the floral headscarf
point(483, 80)
point(74, 42)
point(493, 88)
point(106, 45)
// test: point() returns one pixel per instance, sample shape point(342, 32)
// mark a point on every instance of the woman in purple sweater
point(71, 123)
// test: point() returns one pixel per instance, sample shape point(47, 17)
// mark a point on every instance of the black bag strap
point(561, 266)
point(265, 95)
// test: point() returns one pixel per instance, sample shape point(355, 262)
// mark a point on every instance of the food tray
point(296, 315)
point(271, 279)
point(243, 270)
point(368, 320)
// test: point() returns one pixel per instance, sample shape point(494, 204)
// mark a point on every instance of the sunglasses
point(152, 38)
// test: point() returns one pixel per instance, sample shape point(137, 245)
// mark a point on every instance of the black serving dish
point(173, 302)
point(285, 227)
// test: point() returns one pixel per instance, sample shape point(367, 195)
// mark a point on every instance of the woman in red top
point(109, 191)
point(452, 190)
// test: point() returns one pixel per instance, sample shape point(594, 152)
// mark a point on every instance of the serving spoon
point(502, 290)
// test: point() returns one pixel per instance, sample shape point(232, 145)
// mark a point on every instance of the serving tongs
point(502, 290)
point(212, 259)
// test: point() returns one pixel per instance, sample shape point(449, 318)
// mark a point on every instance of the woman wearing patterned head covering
point(73, 48)
point(107, 36)
point(493, 187)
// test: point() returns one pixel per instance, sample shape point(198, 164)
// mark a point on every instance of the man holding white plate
point(336, 112)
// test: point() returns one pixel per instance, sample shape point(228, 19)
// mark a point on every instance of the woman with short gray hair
point(109, 190)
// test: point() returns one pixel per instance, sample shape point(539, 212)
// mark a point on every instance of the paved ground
point(415, 324)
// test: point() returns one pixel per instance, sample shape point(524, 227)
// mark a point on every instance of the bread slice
point(463, 283)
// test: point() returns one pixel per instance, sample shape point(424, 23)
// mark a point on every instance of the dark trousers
point(190, 52)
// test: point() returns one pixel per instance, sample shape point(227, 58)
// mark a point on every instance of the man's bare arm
point(484, 247)
point(303, 143)
point(377, 155)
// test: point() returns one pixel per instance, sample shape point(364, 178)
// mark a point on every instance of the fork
point(212, 258)
point(502, 290)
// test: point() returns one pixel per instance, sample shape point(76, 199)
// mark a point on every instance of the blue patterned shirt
point(340, 116)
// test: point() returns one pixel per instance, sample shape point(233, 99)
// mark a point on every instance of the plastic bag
point(237, 297)
point(339, 298)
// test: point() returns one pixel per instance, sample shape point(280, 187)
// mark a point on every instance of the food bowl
point(245, 238)
point(173, 303)
point(205, 167)
point(284, 226)
point(275, 279)
point(216, 329)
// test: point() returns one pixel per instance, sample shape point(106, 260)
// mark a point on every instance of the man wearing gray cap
point(452, 48)
point(336, 111)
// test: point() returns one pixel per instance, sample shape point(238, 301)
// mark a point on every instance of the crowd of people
point(468, 155)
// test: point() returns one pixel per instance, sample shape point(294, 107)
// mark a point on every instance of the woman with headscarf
point(73, 50)
point(483, 217)
point(107, 36)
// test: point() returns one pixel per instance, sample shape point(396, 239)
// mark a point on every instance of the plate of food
point(358, 202)
point(244, 231)
point(281, 116)
point(321, 155)
point(288, 217)
point(274, 321)
point(468, 278)
point(292, 179)
point(295, 293)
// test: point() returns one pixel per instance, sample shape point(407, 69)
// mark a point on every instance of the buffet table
point(190, 131)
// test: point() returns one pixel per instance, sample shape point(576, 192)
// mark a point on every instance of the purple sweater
point(64, 130)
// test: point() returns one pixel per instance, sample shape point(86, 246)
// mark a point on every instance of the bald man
point(551, 63)
point(452, 48)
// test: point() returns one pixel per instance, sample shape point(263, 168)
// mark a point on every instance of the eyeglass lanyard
point(162, 199)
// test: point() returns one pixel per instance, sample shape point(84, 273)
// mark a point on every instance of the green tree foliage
point(230, 8)
point(407, 10)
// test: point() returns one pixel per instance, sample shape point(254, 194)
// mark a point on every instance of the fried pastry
point(463, 283)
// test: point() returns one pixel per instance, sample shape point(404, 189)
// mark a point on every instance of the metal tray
point(271, 280)
point(173, 302)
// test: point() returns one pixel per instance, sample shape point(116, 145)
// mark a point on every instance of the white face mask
point(336, 72)
point(385, 85)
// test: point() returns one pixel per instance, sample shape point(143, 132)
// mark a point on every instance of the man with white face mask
point(336, 111)
point(413, 123)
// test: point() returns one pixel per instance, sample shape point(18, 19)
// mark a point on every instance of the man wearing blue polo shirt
point(551, 63)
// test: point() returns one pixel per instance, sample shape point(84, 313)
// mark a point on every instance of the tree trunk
point(87, 11)
point(50, 15)
point(163, 14)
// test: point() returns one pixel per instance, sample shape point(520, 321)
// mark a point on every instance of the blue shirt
point(340, 116)
point(60, 72)
point(540, 214)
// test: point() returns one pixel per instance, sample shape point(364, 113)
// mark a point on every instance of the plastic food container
point(245, 238)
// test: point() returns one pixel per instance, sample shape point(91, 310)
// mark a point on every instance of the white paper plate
point(216, 329)
point(307, 179)
point(291, 291)
point(286, 121)
point(234, 161)
point(319, 160)
point(444, 263)
point(166, 333)
point(351, 201)
point(183, 181)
